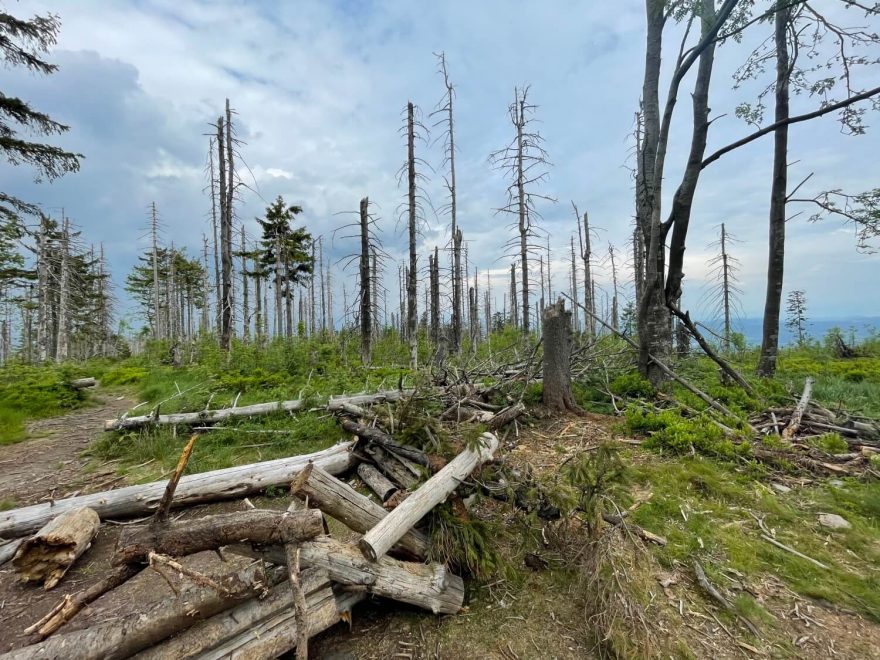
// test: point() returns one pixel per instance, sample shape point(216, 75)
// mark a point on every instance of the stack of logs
point(806, 421)
point(301, 581)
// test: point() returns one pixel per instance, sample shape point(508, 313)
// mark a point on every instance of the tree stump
point(557, 358)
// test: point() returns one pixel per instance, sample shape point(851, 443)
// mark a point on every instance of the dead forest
point(359, 436)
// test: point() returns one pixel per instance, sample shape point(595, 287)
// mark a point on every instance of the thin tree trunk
point(245, 303)
point(154, 230)
point(522, 212)
point(412, 275)
point(225, 243)
point(63, 339)
point(778, 193)
point(365, 282)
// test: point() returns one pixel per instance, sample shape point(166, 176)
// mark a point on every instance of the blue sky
point(319, 89)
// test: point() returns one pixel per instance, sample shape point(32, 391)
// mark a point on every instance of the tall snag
point(557, 358)
point(365, 281)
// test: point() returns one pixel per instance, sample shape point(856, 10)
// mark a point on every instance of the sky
point(320, 87)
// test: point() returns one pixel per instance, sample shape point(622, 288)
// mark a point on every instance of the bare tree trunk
point(574, 285)
point(245, 303)
point(312, 320)
point(514, 316)
point(43, 291)
point(614, 310)
point(522, 211)
point(778, 194)
point(638, 267)
point(725, 293)
point(279, 318)
point(584, 239)
point(323, 287)
point(435, 296)
point(412, 274)
point(225, 243)
point(557, 358)
point(365, 283)
point(374, 270)
point(154, 230)
point(63, 339)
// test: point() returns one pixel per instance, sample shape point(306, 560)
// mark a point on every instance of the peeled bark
point(396, 524)
point(46, 556)
point(359, 513)
point(557, 358)
point(187, 537)
point(228, 483)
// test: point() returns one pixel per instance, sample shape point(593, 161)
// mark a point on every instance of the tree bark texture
point(556, 322)
point(46, 556)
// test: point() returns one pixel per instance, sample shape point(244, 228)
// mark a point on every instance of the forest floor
point(526, 612)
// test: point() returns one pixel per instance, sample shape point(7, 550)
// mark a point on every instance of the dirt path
point(49, 463)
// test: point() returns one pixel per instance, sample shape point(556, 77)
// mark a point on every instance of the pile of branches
point(802, 424)
point(297, 580)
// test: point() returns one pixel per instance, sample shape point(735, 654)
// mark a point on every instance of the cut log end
point(367, 550)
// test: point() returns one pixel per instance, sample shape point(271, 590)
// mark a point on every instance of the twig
point(165, 504)
point(199, 578)
point(782, 546)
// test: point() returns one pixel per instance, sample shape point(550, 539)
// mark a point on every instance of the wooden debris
point(8, 550)
point(642, 533)
point(390, 529)
point(710, 589)
point(46, 556)
point(794, 423)
point(193, 489)
point(83, 383)
point(168, 497)
point(376, 481)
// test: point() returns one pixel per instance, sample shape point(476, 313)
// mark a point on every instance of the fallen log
point(228, 483)
point(209, 633)
point(393, 468)
point(277, 635)
point(46, 556)
point(220, 414)
point(187, 537)
point(376, 481)
point(429, 586)
point(344, 503)
point(371, 434)
point(8, 550)
point(70, 606)
point(506, 416)
point(388, 531)
point(128, 634)
point(789, 431)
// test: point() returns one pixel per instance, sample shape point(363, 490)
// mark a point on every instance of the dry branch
point(376, 481)
point(789, 432)
point(228, 483)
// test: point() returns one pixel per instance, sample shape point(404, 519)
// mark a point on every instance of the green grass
point(719, 499)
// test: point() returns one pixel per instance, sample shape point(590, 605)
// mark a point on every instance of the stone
point(779, 488)
point(833, 521)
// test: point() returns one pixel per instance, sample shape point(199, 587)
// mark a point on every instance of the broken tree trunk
point(126, 635)
point(206, 637)
point(228, 483)
point(376, 481)
point(391, 529)
point(359, 513)
point(506, 416)
point(556, 321)
point(187, 537)
point(48, 554)
point(789, 432)
point(429, 586)
point(8, 550)
point(274, 636)
point(392, 467)
point(83, 383)
point(379, 437)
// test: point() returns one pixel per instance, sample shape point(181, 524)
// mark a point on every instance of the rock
point(779, 488)
point(833, 521)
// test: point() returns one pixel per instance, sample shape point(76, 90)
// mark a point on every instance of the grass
point(705, 509)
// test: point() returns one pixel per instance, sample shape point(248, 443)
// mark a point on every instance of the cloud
point(319, 89)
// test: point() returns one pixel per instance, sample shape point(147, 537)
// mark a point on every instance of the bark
point(435, 295)
point(63, 338)
point(794, 423)
point(586, 254)
point(223, 484)
point(46, 556)
point(128, 634)
point(357, 512)
point(187, 537)
point(154, 230)
point(557, 358)
point(429, 586)
point(376, 481)
point(412, 277)
point(245, 302)
point(225, 243)
point(371, 434)
point(514, 315)
point(505, 417)
point(365, 282)
point(8, 550)
point(396, 524)
point(392, 467)
point(778, 198)
point(206, 638)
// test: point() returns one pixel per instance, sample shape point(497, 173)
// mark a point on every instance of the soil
point(537, 619)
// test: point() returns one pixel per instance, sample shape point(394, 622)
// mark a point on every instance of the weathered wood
point(359, 513)
point(201, 639)
point(168, 496)
point(228, 483)
point(391, 466)
point(390, 529)
point(506, 416)
point(70, 606)
point(376, 481)
point(371, 434)
point(429, 586)
point(556, 329)
point(794, 423)
point(218, 415)
point(187, 537)
point(276, 635)
point(8, 550)
point(46, 556)
point(128, 634)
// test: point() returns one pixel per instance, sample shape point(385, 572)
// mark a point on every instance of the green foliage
point(632, 385)
point(669, 430)
point(31, 392)
point(592, 480)
point(123, 375)
point(463, 544)
point(830, 443)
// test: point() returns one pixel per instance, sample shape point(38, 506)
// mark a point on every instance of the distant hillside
point(861, 326)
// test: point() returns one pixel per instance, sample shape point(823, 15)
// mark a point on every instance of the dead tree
point(525, 161)
point(584, 239)
point(434, 285)
point(245, 307)
point(574, 282)
point(614, 309)
point(722, 298)
point(446, 119)
point(366, 307)
point(225, 241)
point(514, 314)
point(63, 330)
point(154, 231)
point(557, 358)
